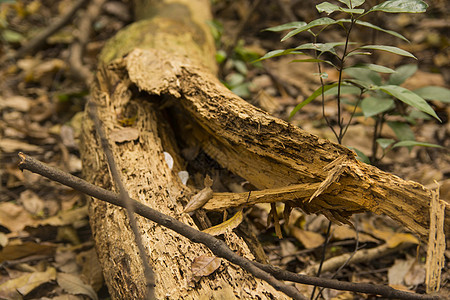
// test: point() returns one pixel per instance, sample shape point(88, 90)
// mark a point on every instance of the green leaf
point(372, 106)
point(401, 6)
point(358, 53)
point(362, 74)
point(370, 25)
point(402, 73)
point(352, 10)
point(235, 79)
point(390, 49)
point(327, 47)
point(402, 130)
point(286, 26)
point(276, 53)
point(242, 90)
point(310, 60)
point(415, 143)
point(318, 22)
point(240, 66)
point(361, 156)
point(417, 115)
point(313, 96)
point(409, 98)
point(352, 3)
point(327, 7)
point(221, 55)
point(384, 143)
point(434, 93)
point(330, 8)
point(346, 89)
point(360, 83)
point(375, 68)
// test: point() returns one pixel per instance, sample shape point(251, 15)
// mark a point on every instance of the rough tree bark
point(177, 27)
point(159, 73)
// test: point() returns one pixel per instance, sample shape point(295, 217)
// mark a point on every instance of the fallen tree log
point(163, 85)
point(178, 27)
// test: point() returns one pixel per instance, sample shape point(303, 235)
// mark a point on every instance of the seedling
point(377, 98)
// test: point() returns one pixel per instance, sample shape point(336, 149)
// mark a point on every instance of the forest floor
point(45, 239)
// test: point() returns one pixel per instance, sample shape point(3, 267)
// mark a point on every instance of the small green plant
point(234, 59)
point(377, 98)
point(382, 106)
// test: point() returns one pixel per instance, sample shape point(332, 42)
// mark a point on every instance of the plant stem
point(376, 134)
point(341, 69)
point(353, 112)
point(319, 67)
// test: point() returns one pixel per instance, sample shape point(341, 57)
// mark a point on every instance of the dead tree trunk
point(160, 79)
point(177, 27)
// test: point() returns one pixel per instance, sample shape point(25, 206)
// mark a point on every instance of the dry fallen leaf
point(31, 202)
point(397, 272)
point(400, 238)
point(91, 269)
point(205, 265)
point(10, 145)
point(392, 239)
point(415, 275)
point(74, 285)
point(200, 199)
point(16, 249)
point(344, 232)
point(66, 217)
point(229, 224)
point(15, 217)
point(26, 283)
point(309, 239)
point(18, 103)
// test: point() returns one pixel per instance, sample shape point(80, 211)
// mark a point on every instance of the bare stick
point(34, 44)
point(125, 198)
point(218, 247)
point(366, 288)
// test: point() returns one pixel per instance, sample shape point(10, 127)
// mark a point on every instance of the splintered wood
point(436, 244)
point(285, 162)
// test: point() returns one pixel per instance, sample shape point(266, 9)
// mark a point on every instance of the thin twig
point(77, 48)
point(34, 44)
point(125, 198)
point(347, 261)
point(366, 288)
point(324, 251)
point(218, 247)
